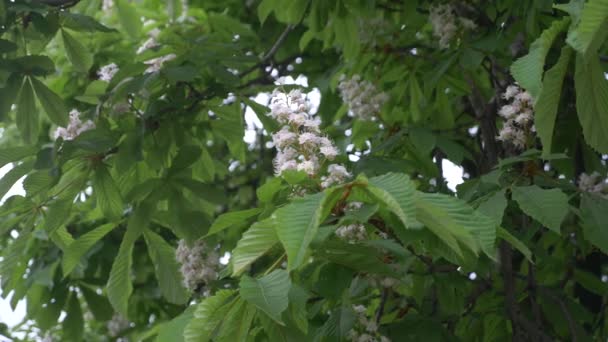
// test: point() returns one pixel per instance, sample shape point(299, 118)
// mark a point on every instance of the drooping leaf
point(208, 316)
point(548, 101)
point(594, 215)
point(504, 234)
point(494, 207)
point(99, 305)
point(27, 115)
point(107, 193)
point(232, 218)
point(256, 241)
point(592, 21)
point(268, 293)
point(51, 103)
point(592, 101)
point(549, 207)
point(73, 324)
point(236, 325)
point(229, 127)
point(166, 268)
point(120, 287)
point(8, 94)
point(528, 70)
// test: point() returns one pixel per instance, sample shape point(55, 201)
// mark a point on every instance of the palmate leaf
point(454, 221)
point(80, 57)
point(166, 268)
point(208, 316)
point(591, 24)
point(547, 103)
point(396, 191)
point(268, 293)
point(77, 249)
point(592, 101)
point(119, 287)
point(528, 70)
point(549, 207)
point(256, 241)
point(297, 223)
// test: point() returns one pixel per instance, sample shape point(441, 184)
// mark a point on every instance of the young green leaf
point(592, 24)
point(397, 192)
point(77, 249)
point(128, 17)
point(73, 324)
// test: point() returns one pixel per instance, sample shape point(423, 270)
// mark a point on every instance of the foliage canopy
point(151, 142)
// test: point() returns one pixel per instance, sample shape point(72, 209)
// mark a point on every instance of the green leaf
point(27, 115)
point(80, 57)
point(99, 305)
point(119, 287)
point(397, 192)
point(73, 324)
point(107, 193)
point(51, 103)
point(166, 268)
point(261, 112)
point(339, 324)
point(265, 8)
point(237, 322)
point(230, 127)
point(452, 219)
point(11, 177)
point(591, 25)
point(256, 241)
point(594, 215)
point(298, 297)
point(13, 154)
point(128, 17)
point(354, 256)
point(549, 207)
point(494, 207)
point(548, 101)
point(298, 222)
point(267, 191)
point(174, 330)
point(77, 249)
point(592, 101)
point(232, 218)
point(8, 95)
point(269, 293)
point(83, 23)
point(58, 214)
point(528, 70)
point(504, 234)
point(208, 316)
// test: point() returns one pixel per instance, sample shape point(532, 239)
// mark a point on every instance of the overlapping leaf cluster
point(182, 150)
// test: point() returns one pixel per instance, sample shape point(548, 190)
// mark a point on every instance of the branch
point(270, 52)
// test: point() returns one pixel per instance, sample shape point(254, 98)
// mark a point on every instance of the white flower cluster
point(75, 127)
point(107, 5)
point(592, 183)
point(155, 64)
point(107, 72)
point(300, 145)
point(337, 174)
point(447, 24)
point(151, 42)
point(352, 232)
point(370, 333)
point(364, 101)
point(518, 116)
point(117, 325)
point(199, 264)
